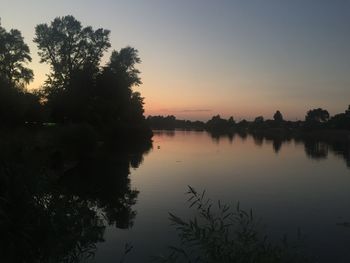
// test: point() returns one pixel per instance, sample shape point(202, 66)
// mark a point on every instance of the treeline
point(78, 90)
point(170, 123)
point(315, 119)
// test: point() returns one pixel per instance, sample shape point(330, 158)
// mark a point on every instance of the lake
point(289, 184)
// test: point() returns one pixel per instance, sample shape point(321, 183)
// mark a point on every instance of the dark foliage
point(78, 90)
point(17, 106)
point(170, 123)
point(278, 117)
point(316, 118)
point(14, 55)
point(69, 48)
point(218, 124)
point(220, 234)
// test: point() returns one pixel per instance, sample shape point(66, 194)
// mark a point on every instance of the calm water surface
point(289, 185)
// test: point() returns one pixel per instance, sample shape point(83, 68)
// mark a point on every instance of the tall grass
point(220, 234)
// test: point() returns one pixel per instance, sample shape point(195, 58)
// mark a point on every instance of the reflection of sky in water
point(287, 189)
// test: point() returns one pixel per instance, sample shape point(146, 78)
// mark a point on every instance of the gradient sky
point(200, 58)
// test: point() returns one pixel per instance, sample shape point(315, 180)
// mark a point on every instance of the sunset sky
point(201, 58)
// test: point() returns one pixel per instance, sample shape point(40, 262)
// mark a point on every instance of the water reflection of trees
point(168, 133)
point(342, 150)
point(315, 148)
point(56, 210)
point(217, 136)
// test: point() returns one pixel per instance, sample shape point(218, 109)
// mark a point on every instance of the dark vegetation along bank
point(67, 148)
point(219, 233)
point(317, 122)
point(78, 90)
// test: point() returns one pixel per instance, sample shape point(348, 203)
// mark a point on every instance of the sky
point(240, 58)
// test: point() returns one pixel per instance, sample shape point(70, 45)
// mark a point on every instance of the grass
point(219, 233)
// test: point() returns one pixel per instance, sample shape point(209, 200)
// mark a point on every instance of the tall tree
point(73, 53)
point(259, 119)
point(317, 115)
point(16, 104)
point(347, 112)
point(116, 100)
point(14, 55)
point(69, 47)
point(278, 116)
point(122, 63)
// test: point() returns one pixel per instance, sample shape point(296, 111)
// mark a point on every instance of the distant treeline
point(78, 90)
point(315, 119)
point(170, 123)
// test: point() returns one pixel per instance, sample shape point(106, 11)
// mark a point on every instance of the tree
point(123, 63)
point(136, 109)
point(231, 122)
point(78, 90)
point(347, 112)
point(16, 104)
point(259, 119)
point(341, 120)
point(115, 100)
point(278, 116)
point(68, 47)
point(14, 54)
point(317, 115)
point(74, 53)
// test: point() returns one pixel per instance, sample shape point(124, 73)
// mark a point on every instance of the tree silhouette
point(347, 112)
point(16, 104)
point(78, 90)
point(68, 47)
point(317, 115)
point(259, 119)
point(74, 53)
point(278, 116)
point(115, 103)
point(218, 124)
point(340, 120)
point(14, 54)
point(231, 122)
point(123, 63)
